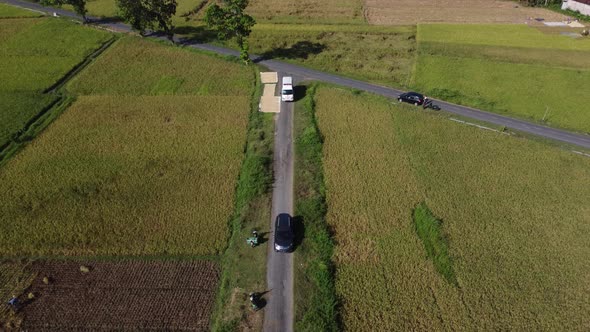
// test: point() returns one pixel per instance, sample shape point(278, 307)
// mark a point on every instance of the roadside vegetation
point(514, 70)
point(514, 214)
point(313, 268)
point(244, 268)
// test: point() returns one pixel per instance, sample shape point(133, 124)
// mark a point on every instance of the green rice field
point(440, 226)
point(513, 70)
point(34, 54)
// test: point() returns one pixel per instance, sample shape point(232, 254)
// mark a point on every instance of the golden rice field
point(515, 214)
point(127, 176)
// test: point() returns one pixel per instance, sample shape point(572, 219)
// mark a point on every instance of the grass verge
point(244, 268)
point(429, 230)
point(314, 271)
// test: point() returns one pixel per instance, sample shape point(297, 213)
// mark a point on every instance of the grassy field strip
point(509, 35)
point(313, 274)
point(514, 214)
point(7, 11)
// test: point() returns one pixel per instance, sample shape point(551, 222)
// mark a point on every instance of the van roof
point(287, 80)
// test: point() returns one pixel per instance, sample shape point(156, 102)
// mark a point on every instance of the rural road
point(310, 74)
point(278, 315)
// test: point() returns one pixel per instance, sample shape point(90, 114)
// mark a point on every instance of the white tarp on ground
point(269, 103)
point(555, 24)
point(269, 78)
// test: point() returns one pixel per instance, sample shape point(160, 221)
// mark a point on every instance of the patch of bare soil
point(393, 12)
point(131, 295)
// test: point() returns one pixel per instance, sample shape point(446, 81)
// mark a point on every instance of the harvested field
point(513, 215)
point(325, 11)
point(386, 12)
point(127, 295)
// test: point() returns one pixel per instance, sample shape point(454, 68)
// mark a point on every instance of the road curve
point(278, 315)
point(310, 74)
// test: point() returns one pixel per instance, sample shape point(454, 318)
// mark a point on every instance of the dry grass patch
point(385, 12)
point(325, 11)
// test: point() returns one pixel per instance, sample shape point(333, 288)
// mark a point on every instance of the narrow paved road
point(310, 74)
point(278, 316)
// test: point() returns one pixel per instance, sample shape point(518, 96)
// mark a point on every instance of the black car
point(284, 234)
point(412, 98)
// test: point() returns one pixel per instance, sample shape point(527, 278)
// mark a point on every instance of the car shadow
point(299, 231)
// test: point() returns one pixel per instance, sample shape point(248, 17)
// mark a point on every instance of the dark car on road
point(412, 98)
point(284, 234)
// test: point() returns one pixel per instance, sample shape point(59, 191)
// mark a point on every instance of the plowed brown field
point(122, 296)
point(460, 11)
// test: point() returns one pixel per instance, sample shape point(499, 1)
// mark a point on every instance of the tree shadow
point(300, 50)
point(190, 34)
point(299, 230)
point(106, 20)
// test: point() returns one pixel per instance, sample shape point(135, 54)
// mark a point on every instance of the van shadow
point(299, 92)
point(299, 50)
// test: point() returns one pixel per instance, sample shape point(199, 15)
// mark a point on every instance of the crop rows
point(513, 212)
point(123, 295)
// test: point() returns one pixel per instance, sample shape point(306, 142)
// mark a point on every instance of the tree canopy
point(230, 20)
point(148, 14)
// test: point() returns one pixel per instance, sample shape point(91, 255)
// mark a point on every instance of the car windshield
point(287, 92)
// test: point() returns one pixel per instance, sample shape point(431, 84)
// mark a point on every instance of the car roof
point(411, 93)
point(283, 220)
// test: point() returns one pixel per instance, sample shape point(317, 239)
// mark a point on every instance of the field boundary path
point(311, 74)
point(278, 315)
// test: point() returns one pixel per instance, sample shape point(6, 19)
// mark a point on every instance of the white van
point(287, 89)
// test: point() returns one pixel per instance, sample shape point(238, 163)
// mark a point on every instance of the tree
point(79, 6)
point(149, 14)
point(230, 21)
